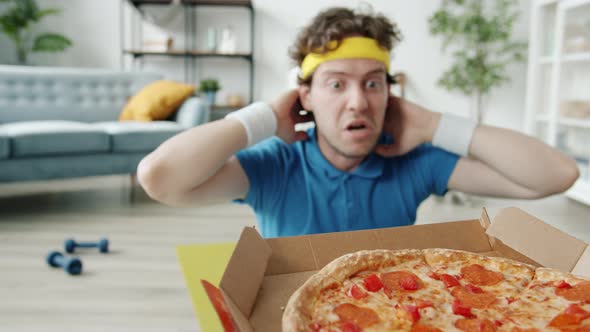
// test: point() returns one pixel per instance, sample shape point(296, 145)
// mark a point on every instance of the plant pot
point(210, 97)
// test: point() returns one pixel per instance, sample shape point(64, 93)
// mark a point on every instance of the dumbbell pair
point(73, 265)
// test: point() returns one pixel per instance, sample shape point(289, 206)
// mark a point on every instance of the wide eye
point(335, 84)
point(372, 84)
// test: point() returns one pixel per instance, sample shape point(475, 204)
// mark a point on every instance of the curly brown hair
point(335, 24)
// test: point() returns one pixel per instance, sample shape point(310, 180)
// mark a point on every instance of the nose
point(357, 100)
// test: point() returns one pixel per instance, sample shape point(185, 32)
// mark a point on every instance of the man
point(337, 177)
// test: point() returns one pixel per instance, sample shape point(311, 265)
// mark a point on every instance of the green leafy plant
point(209, 85)
point(16, 22)
point(480, 33)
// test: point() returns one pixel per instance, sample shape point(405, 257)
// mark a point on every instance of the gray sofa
point(60, 123)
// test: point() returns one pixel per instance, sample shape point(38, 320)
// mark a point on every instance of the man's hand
point(409, 125)
point(287, 108)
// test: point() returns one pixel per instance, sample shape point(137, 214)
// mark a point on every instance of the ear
point(304, 97)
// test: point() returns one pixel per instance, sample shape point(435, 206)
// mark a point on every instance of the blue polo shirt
point(294, 190)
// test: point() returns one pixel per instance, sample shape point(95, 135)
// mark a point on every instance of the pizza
point(437, 290)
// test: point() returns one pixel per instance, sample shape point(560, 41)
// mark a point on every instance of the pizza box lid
point(263, 273)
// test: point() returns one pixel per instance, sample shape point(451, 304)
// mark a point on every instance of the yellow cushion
point(156, 101)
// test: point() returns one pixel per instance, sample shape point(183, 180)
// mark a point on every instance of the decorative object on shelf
point(235, 100)
point(209, 87)
point(158, 45)
point(211, 40)
point(192, 42)
point(228, 41)
point(575, 109)
point(16, 21)
point(481, 35)
point(577, 38)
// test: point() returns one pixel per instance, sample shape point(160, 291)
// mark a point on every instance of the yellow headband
point(350, 48)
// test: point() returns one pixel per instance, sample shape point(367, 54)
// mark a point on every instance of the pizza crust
point(444, 256)
point(543, 275)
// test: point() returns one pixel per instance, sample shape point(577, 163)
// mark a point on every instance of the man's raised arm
point(198, 166)
point(176, 170)
point(495, 161)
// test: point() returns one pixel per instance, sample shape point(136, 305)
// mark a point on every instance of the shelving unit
point(189, 51)
point(559, 81)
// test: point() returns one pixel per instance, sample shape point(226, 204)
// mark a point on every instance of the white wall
point(92, 25)
point(95, 30)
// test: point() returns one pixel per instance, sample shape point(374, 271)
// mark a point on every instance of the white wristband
point(454, 134)
point(258, 119)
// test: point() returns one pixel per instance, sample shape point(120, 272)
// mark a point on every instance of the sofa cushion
point(157, 101)
point(132, 136)
point(35, 138)
point(35, 93)
point(68, 166)
point(4, 146)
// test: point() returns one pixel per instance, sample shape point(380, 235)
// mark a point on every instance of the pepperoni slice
point(460, 309)
point(573, 315)
point(478, 275)
point(424, 328)
point(373, 283)
point(423, 303)
point(564, 319)
point(449, 280)
point(401, 281)
point(578, 292)
point(562, 284)
point(356, 292)
point(363, 317)
point(433, 275)
point(475, 325)
point(574, 309)
point(475, 300)
point(315, 327)
point(350, 327)
point(413, 312)
point(473, 289)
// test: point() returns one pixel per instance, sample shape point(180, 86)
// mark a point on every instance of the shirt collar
point(371, 168)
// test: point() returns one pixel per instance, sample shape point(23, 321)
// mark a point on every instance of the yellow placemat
point(204, 261)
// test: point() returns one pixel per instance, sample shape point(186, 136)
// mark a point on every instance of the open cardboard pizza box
point(263, 273)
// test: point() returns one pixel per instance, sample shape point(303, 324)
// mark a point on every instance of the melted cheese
point(533, 304)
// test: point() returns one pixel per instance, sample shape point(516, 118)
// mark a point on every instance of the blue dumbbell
point(70, 245)
point(72, 265)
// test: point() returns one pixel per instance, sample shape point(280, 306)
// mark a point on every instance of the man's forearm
point(187, 160)
point(523, 160)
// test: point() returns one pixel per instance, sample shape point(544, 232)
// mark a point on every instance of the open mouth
point(357, 125)
point(359, 130)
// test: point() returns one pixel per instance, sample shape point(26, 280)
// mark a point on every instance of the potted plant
point(16, 21)
point(483, 48)
point(209, 87)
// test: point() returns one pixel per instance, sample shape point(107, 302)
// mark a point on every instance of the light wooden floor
point(139, 285)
